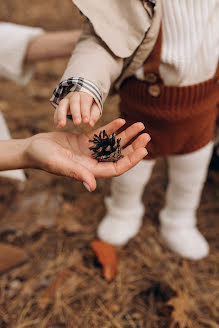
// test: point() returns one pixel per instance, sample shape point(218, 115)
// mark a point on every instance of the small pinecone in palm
point(106, 147)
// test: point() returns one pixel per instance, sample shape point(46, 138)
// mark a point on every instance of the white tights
point(187, 174)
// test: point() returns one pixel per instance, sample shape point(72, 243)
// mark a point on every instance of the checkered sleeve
point(76, 84)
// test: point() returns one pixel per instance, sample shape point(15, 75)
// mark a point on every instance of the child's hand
point(81, 106)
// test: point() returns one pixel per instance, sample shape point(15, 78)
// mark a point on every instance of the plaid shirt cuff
point(76, 84)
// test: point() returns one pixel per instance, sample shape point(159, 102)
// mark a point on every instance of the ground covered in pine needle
point(55, 219)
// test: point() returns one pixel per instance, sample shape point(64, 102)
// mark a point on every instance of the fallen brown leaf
point(11, 256)
point(42, 209)
point(107, 257)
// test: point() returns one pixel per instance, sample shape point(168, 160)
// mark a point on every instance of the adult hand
point(68, 154)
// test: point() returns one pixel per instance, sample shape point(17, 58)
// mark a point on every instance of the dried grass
point(153, 287)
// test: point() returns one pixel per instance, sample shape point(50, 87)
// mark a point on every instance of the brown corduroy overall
point(179, 120)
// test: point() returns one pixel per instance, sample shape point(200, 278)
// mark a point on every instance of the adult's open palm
point(68, 154)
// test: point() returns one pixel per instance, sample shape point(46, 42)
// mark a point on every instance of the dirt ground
point(55, 219)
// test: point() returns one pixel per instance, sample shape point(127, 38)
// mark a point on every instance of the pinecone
point(106, 148)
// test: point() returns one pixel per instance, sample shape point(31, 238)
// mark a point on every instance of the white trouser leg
point(187, 174)
point(5, 135)
point(124, 208)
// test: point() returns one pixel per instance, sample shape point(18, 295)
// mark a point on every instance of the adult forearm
point(12, 154)
point(51, 45)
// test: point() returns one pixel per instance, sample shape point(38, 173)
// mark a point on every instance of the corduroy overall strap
point(153, 61)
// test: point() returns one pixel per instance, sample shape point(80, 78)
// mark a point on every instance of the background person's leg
point(124, 208)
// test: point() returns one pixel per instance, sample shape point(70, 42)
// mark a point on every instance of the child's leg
point(124, 208)
point(187, 174)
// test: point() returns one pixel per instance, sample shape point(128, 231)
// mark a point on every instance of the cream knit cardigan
point(190, 45)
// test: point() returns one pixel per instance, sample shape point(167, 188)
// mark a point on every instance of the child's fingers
point(55, 117)
point(95, 114)
point(75, 108)
point(61, 112)
point(86, 103)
